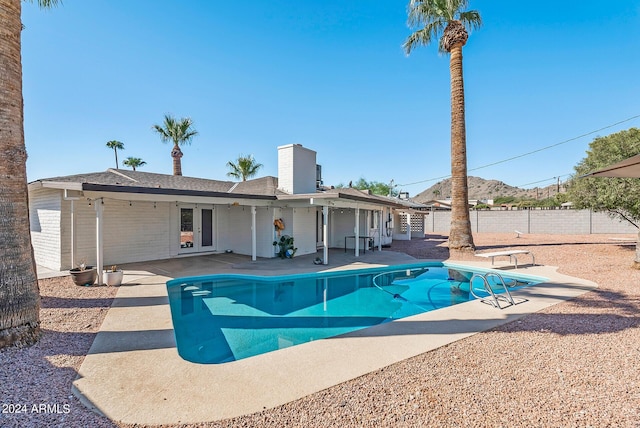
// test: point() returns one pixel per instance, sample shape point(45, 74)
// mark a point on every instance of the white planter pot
point(112, 278)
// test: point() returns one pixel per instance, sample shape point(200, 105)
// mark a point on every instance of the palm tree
point(450, 19)
point(179, 132)
point(19, 293)
point(245, 167)
point(133, 162)
point(115, 145)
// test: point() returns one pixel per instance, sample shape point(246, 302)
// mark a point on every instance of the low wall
point(569, 222)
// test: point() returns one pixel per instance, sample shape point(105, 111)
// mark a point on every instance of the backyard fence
point(569, 222)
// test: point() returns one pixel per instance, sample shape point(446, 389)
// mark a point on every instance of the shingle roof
point(149, 182)
point(118, 180)
point(121, 177)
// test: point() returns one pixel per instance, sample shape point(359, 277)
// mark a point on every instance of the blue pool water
point(222, 318)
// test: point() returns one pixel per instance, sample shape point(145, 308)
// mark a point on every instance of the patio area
point(133, 373)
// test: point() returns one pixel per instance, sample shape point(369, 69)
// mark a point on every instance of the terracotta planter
point(112, 278)
point(84, 277)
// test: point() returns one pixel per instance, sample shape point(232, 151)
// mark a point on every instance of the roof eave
point(163, 191)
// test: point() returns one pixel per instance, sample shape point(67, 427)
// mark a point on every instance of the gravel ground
point(575, 364)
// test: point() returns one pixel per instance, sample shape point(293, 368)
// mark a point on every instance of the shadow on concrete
point(123, 341)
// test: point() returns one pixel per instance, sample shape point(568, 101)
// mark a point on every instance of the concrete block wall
point(603, 223)
point(576, 222)
point(495, 221)
point(44, 216)
point(571, 222)
point(438, 221)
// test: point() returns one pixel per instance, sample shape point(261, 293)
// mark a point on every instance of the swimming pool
point(223, 318)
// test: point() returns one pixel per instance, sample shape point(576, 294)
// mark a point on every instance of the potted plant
point(113, 276)
point(286, 248)
point(83, 274)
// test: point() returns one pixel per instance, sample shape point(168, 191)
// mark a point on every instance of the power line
point(542, 181)
point(530, 153)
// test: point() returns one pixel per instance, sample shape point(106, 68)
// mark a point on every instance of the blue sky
point(330, 75)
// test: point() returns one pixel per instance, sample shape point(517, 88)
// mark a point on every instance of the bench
point(511, 253)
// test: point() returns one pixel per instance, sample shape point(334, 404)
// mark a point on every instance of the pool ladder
point(495, 298)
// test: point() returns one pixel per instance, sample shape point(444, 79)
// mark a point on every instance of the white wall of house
point(131, 233)
point(44, 216)
point(343, 224)
point(145, 227)
point(264, 232)
point(387, 228)
point(233, 229)
point(402, 226)
point(304, 230)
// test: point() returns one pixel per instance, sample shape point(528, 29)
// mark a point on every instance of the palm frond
point(471, 19)
point(244, 167)
point(47, 3)
point(115, 144)
point(177, 131)
point(434, 16)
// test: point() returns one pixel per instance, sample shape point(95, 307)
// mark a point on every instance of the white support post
point(73, 235)
point(99, 241)
point(408, 220)
point(325, 235)
point(357, 234)
point(367, 228)
point(381, 214)
point(72, 199)
point(253, 233)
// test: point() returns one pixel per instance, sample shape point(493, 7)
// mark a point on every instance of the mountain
point(482, 189)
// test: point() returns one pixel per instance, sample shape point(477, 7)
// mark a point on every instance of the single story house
point(121, 216)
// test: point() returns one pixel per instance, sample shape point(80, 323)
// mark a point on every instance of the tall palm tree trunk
point(19, 293)
point(460, 237)
point(176, 154)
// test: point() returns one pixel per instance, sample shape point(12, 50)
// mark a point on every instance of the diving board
point(511, 253)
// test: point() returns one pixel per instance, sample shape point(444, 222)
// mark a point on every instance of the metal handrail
point(487, 288)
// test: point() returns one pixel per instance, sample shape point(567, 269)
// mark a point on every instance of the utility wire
point(529, 153)
point(542, 181)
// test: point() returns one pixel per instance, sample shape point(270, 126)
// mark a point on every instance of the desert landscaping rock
point(574, 364)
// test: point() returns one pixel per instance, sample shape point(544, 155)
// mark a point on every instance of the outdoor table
point(365, 240)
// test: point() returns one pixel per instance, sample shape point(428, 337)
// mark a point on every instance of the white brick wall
point(342, 223)
point(264, 232)
point(234, 229)
point(137, 232)
point(133, 233)
point(304, 230)
point(296, 169)
point(44, 216)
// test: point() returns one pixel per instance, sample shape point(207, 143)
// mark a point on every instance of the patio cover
point(628, 168)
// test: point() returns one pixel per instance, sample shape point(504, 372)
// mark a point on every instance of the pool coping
point(133, 373)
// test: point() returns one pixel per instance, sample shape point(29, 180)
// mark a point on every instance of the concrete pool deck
point(133, 372)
